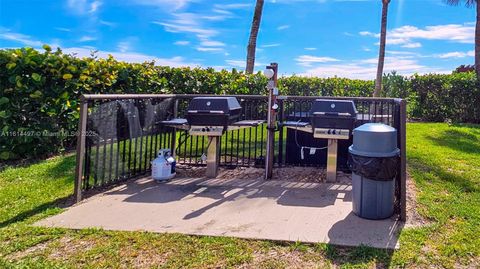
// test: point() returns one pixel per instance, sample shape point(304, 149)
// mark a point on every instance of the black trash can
point(374, 159)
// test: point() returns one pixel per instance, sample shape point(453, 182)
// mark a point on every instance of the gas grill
point(327, 119)
point(212, 116)
point(332, 119)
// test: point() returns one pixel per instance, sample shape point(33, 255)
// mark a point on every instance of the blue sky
point(306, 37)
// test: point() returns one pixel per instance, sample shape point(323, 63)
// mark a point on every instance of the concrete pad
point(274, 210)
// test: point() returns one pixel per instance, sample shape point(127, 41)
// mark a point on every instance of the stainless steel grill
point(332, 120)
point(212, 117)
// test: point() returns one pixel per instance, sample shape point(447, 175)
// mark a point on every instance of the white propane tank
point(163, 167)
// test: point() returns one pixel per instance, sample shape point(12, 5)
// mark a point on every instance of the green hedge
point(39, 93)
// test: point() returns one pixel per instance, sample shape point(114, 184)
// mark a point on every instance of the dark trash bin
point(374, 161)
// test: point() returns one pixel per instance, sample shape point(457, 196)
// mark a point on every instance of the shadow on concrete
point(285, 193)
point(344, 230)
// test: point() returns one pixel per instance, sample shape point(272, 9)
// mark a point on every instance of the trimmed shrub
point(39, 93)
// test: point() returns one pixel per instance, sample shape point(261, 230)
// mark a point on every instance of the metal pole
point(82, 128)
point(332, 160)
point(213, 156)
point(403, 160)
point(173, 142)
point(271, 124)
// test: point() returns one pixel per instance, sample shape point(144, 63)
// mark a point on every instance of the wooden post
point(403, 160)
point(271, 124)
point(82, 129)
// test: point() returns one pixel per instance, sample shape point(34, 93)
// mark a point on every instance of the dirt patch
point(29, 251)
point(414, 219)
point(293, 173)
point(145, 257)
point(284, 258)
point(68, 246)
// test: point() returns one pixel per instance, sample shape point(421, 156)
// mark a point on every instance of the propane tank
point(163, 167)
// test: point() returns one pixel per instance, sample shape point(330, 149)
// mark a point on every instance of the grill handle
point(207, 111)
point(332, 113)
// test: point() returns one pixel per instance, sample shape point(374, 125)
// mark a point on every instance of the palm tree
point(252, 41)
point(381, 53)
point(470, 3)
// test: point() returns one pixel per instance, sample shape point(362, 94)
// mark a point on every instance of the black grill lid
point(328, 107)
point(215, 105)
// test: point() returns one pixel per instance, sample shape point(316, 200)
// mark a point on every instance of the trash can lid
point(352, 150)
point(375, 128)
point(374, 140)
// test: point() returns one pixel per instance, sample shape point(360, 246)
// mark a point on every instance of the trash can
point(374, 159)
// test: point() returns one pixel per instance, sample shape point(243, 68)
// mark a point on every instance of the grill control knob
point(208, 129)
point(329, 131)
point(203, 129)
point(333, 132)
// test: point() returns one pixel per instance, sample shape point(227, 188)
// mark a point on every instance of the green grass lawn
point(443, 160)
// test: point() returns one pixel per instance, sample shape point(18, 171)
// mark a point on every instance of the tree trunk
point(381, 54)
point(252, 42)
point(477, 42)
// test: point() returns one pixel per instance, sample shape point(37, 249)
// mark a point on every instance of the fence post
point(403, 159)
point(280, 132)
point(271, 124)
point(82, 128)
point(173, 142)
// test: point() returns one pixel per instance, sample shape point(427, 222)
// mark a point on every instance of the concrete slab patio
point(274, 210)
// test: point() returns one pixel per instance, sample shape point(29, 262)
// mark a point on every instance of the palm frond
point(468, 3)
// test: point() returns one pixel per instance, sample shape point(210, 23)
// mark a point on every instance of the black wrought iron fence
point(245, 147)
point(296, 108)
point(123, 135)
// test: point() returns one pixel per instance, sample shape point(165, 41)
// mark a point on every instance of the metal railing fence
point(119, 135)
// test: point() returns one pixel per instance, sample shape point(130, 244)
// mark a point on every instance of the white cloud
point(167, 4)
point(412, 45)
point(310, 48)
point(190, 23)
point(308, 60)
point(233, 6)
point(283, 27)
point(452, 32)
point(367, 68)
point(405, 35)
point(94, 6)
point(182, 43)
point(123, 46)
point(86, 38)
point(26, 40)
point(211, 43)
point(455, 54)
point(270, 45)
point(131, 57)
point(209, 49)
point(241, 63)
point(367, 33)
point(107, 23)
point(179, 28)
point(83, 7)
